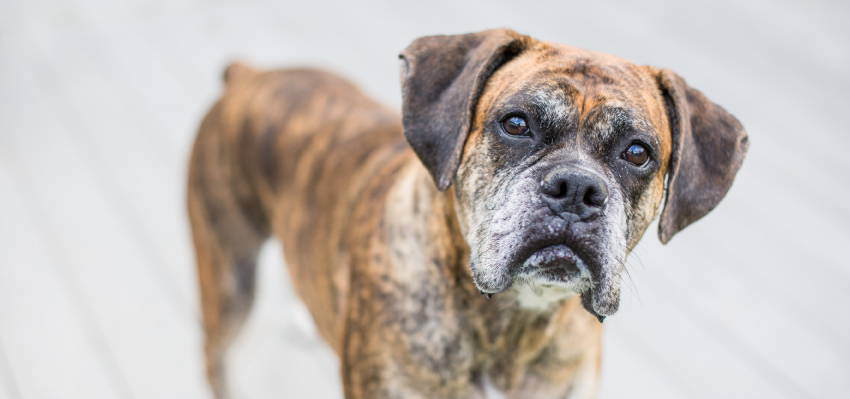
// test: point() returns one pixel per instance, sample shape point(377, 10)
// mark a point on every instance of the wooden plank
point(36, 303)
point(749, 323)
point(694, 357)
point(8, 385)
point(156, 344)
point(133, 151)
point(120, 151)
point(771, 263)
point(631, 368)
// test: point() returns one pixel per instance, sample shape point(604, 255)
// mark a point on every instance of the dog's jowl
point(471, 245)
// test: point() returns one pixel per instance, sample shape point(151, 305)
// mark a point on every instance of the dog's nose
point(575, 191)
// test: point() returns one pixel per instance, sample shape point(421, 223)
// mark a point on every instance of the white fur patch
point(540, 297)
point(554, 105)
point(490, 390)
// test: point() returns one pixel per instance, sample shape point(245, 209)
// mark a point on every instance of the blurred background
point(100, 99)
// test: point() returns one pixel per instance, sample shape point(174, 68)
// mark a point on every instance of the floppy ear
point(709, 145)
point(442, 78)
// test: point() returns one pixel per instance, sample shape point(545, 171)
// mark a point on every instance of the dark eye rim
point(528, 133)
point(650, 154)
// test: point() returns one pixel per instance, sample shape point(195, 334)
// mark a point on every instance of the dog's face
point(562, 172)
point(559, 157)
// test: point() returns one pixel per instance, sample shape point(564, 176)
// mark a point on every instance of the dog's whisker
point(632, 282)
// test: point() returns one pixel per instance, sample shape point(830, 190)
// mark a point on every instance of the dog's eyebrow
point(616, 118)
point(607, 123)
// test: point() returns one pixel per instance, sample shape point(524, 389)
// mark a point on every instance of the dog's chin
point(555, 269)
point(547, 277)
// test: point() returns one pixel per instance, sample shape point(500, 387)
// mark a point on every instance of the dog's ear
point(709, 145)
point(442, 78)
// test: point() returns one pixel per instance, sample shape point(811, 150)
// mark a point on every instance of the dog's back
point(277, 141)
point(298, 133)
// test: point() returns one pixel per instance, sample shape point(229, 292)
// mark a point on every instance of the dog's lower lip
point(558, 256)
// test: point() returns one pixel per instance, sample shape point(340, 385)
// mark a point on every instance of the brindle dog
point(529, 171)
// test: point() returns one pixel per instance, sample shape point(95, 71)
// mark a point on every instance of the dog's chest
point(522, 347)
point(582, 385)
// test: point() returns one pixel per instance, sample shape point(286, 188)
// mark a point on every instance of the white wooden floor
point(99, 100)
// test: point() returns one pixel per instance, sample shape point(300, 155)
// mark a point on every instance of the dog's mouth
point(556, 263)
point(570, 268)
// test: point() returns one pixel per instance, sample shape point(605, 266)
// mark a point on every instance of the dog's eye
point(636, 154)
point(515, 126)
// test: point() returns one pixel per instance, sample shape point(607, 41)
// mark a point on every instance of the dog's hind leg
point(227, 242)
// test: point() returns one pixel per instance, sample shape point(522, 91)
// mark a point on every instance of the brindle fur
point(377, 252)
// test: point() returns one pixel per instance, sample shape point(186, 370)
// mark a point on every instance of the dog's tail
point(236, 72)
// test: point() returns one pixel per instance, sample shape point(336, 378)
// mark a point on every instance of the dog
point(472, 246)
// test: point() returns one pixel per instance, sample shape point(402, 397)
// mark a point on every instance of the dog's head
point(560, 156)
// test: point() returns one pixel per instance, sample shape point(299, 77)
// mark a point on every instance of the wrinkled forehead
point(574, 88)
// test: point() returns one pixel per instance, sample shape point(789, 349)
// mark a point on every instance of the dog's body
point(392, 265)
